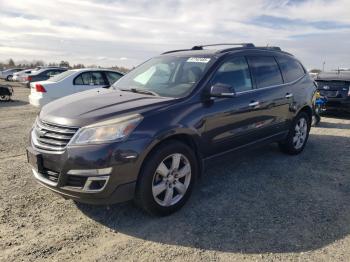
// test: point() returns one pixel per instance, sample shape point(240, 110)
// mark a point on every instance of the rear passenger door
point(89, 80)
point(271, 94)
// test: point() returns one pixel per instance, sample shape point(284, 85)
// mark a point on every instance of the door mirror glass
point(222, 90)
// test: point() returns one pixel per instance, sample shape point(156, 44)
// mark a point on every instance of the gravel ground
point(261, 205)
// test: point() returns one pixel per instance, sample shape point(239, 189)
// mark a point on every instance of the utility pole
point(324, 62)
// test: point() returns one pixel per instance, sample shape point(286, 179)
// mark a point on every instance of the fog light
point(95, 184)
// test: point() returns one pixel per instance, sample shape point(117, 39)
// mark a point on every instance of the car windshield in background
point(60, 76)
point(165, 76)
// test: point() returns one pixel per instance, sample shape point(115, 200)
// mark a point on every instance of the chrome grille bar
point(52, 137)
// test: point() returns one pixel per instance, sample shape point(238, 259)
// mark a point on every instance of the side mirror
point(222, 90)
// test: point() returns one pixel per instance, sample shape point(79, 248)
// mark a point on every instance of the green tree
point(11, 63)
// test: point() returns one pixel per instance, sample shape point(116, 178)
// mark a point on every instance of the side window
point(234, 72)
point(49, 73)
point(265, 71)
point(291, 68)
point(97, 79)
point(112, 77)
point(90, 78)
point(78, 80)
point(83, 79)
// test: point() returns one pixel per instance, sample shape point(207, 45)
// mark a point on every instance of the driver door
point(232, 122)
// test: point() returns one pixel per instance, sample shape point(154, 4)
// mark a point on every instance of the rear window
point(265, 71)
point(291, 69)
point(112, 77)
point(61, 76)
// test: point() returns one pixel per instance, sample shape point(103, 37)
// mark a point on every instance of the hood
point(334, 76)
point(96, 105)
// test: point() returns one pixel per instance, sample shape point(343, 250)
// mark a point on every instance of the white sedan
point(70, 82)
point(19, 76)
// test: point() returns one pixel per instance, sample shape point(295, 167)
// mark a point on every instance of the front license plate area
point(34, 159)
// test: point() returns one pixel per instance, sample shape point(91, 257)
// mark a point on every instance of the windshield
point(167, 76)
point(61, 76)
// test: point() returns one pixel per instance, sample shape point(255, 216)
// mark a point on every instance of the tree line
point(32, 64)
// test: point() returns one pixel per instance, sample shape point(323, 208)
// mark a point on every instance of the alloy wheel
point(171, 180)
point(300, 133)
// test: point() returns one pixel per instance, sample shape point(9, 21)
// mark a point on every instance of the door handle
point(289, 95)
point(254, 103)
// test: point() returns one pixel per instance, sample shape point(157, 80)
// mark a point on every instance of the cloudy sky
point(126, 32)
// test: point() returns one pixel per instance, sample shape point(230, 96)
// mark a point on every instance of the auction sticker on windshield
point(198, 60)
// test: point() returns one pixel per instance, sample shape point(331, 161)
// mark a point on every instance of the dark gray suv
point(149, 136)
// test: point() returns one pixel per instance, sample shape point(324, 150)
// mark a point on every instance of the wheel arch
point(187, 138)
point(306, 109)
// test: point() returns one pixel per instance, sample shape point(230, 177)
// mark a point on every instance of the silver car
point(8, 74)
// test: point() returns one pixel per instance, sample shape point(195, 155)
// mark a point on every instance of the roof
point(335, 76)
point(95, 69)
point(91, 69)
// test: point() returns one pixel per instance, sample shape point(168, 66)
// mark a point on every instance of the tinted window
point(265, 70)
point(52, 72)
point(291, 68)
point(61, 76)
point(90, 78)
point(112, 77)
point(234, 72)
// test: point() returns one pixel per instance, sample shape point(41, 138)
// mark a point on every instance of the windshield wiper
point(141, 91)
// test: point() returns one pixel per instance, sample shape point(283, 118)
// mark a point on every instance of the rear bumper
point(38, 101)
point(338, 104)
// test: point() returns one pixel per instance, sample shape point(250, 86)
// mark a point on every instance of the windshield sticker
point(198, 60)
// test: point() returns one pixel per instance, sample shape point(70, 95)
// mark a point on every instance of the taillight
point(39, 88)
point(29, 78)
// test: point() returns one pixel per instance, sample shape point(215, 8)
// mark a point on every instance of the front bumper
point(94, 174)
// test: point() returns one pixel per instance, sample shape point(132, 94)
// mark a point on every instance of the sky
point(127, 32)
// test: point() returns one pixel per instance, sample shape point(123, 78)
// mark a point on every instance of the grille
point(52, 137)
point(50, 175)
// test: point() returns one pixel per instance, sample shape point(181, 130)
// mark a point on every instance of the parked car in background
point(8, 74)
point(150, 135)
point(20, 75)
point(43, 74)
point(70, 82)
point(335, 86)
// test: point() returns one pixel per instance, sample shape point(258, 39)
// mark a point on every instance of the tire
point(9, 78)
point(290, 145)
point(162, 190)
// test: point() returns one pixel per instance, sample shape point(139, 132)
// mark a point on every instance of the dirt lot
point(262, 205)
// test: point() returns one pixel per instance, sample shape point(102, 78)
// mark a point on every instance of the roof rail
point(200, 47)
point(277, 48)
point(174, 51)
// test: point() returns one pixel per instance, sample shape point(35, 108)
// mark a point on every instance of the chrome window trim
point(270, 87)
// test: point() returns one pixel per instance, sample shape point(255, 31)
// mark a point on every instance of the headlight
point(110, 130)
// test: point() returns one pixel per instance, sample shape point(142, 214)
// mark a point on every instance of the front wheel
point(297, 136)
point(167, 178)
